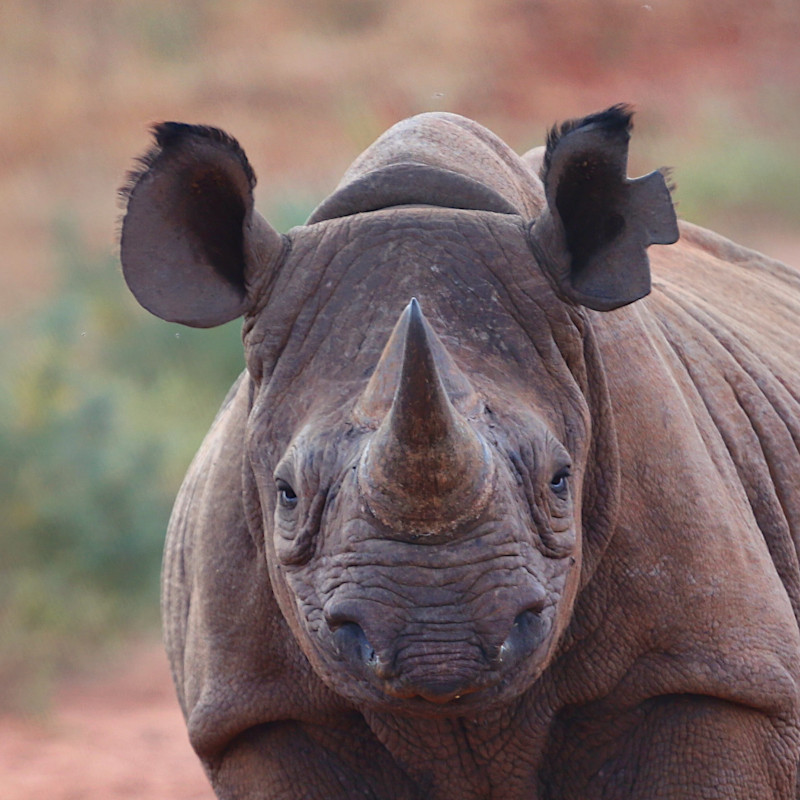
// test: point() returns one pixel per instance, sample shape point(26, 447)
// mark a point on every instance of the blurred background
point(102, 406)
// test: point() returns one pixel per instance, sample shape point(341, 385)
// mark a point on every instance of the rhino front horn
point(425, 470)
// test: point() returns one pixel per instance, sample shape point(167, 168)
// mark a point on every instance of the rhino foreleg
point(294, 761)
point(677, 746)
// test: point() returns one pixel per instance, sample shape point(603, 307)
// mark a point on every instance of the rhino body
point(530, 534)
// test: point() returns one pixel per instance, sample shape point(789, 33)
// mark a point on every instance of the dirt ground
point(121, 737)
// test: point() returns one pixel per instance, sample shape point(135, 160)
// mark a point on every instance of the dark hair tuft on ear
point(617, 119)
point(171, 134)
point(168, 134)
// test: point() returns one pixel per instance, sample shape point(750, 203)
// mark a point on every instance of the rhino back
point(698, 587)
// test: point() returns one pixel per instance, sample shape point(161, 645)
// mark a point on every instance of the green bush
point(101, 408)
point(747, 181)
point(736, 173)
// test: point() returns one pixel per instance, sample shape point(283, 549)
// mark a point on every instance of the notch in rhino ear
point(193, 248)
point(593, 236)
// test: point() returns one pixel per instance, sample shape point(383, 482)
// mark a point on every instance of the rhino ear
point(192, 246)
point(593, 236)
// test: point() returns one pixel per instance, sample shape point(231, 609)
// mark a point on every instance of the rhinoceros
point(492, 512)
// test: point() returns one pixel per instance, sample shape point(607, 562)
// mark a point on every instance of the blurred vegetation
point(101, 408)
point(735, 176)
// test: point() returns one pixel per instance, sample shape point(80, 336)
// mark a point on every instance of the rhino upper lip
point(424, 688)
point(427, 695)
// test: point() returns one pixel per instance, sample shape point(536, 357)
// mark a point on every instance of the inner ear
point(213, 212)
point(590, 199)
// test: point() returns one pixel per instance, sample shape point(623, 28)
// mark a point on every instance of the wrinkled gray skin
point(519, 537)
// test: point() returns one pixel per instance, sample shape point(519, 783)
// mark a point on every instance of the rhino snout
point(438, 661)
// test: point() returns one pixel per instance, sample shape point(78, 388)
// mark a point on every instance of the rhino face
point(425, 547)
point(417, 492)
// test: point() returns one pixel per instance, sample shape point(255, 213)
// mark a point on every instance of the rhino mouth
point(407, 184)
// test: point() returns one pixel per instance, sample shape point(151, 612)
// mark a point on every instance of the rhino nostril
point(534, 600)
point(335, 619)
point(525, 619)
point(351, 642)
point(527, 633)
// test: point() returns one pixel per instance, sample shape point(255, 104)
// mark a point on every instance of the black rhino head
point(424, 542)
point(421, 487)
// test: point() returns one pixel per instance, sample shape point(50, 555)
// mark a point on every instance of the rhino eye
point(286, 495)
point(559, 482)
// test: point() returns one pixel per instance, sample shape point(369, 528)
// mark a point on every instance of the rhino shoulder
point(216, 592)
point(211, 493)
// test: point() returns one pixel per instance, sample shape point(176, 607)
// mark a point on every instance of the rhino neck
point(433, 752)
point(602, 481)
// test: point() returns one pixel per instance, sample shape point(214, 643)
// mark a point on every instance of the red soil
point(118, 737)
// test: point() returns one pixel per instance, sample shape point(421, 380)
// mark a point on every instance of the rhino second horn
point(425, 469)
